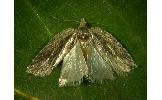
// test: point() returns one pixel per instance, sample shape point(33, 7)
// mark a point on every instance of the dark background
point(36, 21)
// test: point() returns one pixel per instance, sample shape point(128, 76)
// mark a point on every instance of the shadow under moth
point(86, 52)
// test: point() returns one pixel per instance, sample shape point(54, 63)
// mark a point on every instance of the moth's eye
point(83, 29)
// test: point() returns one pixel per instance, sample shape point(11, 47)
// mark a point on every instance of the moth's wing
point(112, 51)
point(74, 67)
point(52, 53)
point(98, 68)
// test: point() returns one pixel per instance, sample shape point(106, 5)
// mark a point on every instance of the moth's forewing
point(42, 64)
point(74, 67)
point(98, 68)
point(112, 51)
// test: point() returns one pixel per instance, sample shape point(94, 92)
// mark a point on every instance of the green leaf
point(36, 21)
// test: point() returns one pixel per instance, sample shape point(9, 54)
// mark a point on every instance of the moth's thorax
point(83, 34)
point(84, 37)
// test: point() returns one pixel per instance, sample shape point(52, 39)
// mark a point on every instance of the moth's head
point(83, 32)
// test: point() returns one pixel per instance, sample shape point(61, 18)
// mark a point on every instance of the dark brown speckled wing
point(50, 56)
point(112, 51)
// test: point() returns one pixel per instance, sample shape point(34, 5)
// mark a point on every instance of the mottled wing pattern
point(52, 53)
point(98, 68)
point(112, 51)
point(74, 67)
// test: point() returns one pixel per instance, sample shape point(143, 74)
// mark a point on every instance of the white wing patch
point(74, 67)
point(99, 69)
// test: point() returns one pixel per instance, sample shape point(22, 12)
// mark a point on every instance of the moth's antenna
point(82, 23)
point(64, 20)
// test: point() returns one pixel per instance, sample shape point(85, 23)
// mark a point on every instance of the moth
point(91, 53)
